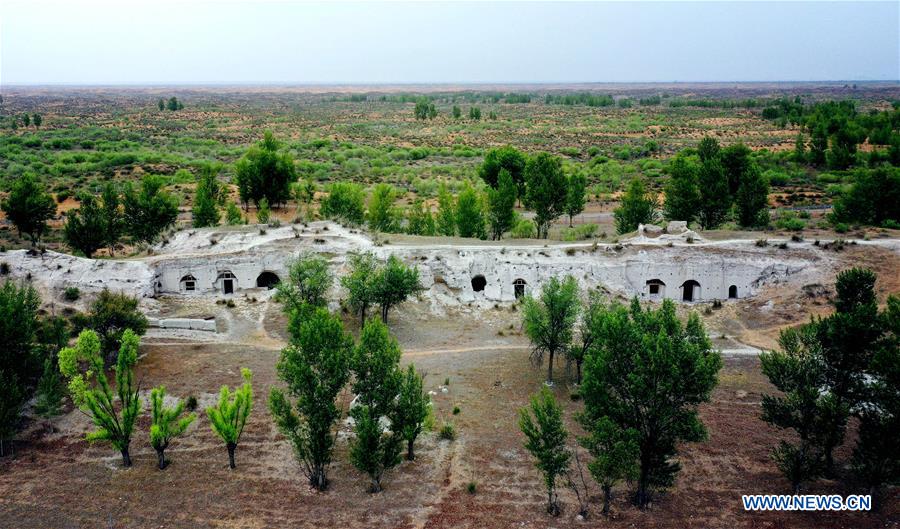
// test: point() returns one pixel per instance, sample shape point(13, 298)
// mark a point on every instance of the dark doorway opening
point(478, 283)
point(732, 292)
point(228, 286)
point(655, 287)
point(267, 280)
point(519, 287)
point(690, 290)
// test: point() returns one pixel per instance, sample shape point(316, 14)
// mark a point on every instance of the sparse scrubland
point(375, 410)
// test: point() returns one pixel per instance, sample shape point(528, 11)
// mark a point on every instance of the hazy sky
point(230, 41)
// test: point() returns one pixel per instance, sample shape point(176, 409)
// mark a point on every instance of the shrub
point(71, 294)
point(762, 243)
point(456, 410)
point(472, 487)
point(191, 403)
point(448, 432)
point(841, 227)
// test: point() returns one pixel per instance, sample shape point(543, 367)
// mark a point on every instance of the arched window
point(655, 287)
point(478, 283)
point(519, 287)
point(188, 283)
point(267, 280)
point(690, 290)
point(732, 292)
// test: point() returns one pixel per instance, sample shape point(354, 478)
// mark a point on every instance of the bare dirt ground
point(57, 480)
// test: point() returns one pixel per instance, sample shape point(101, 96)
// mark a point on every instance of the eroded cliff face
point(214, 262)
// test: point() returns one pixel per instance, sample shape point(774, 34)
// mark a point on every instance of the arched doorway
point(732, 292)
point(267, 280)
point(226, 281)
point(690, 291)
point(188, 283)
point(656, 288)
point(519, 287)
point(478, 283)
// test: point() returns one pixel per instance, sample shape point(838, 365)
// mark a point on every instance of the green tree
point(49, 393)
point(737, 162)
point(715, 200)
point(305, 192)
point(360, 283)
point(575, 189)
point(615, 454)
point(394, 283)
point(383, 215)
point(315, 366)
point(161, 104)
point(265, 172)
point(375, 366)
point(753, 198)
point(506, 157)
point(847, 341)
point(424, 109)
point(29, 207)
point(419, 220)
point(149, 211)
point(92, 393)
point(206, 204)
point(446, 217)
point(545, 439)
point(111, 315)
point(545, 192)
point(636, 207)
point(229, 416)
point(470, 213)
point(166, 423)
point(172, 104)
point(344, 202)
point(708, 149)
point(233, 215)
point(411, 409)
point(19, 356)
point(800, 148)
point(85, 228)
point(587, 328)
point(263, 213)
point(113, 220)
point(550, 320)
point(37, 121)
point(797, 371)
point(457, 112)
point(373, 451)
point(308, 283)
point(501, 203)
point(682, 190)
point(649, 373)
point(873, 198)
point(26, 119)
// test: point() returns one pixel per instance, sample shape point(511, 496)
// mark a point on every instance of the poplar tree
point(85, 228)
point(229, 416)
point(615, 454)
point(166, 423)
point(501, 205)
point(206, 204)
point(575, 195)
point(315, 366)
point(446, 216)
point(470, 214)
point(545, 439)
point(92, 393)
point(636, 207)
point(649, 373)
point(307, 285)
point(375, 368)
point(360, 283)
point(29, 207)
point(373, 450)
point(394, 283)
point(545, 190)
point(409, 414)
point(549, 320)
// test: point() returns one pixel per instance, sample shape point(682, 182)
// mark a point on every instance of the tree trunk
point(126, 457)
point(550, 370)
point(607, 491)
point(578, 372)
point(161, 458)
point(384, 310)
point(410, 454)
point(641, 494)
point(362, 317)
point(376, 486)
point(231, 447)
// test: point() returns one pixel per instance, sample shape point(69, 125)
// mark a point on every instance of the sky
point(292, 42)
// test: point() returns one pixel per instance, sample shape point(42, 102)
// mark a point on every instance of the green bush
point(522, 229)
point(579, 233)
point(71, 294)
point(448, 432)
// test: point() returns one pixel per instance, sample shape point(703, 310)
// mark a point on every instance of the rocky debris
point(676, 226)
